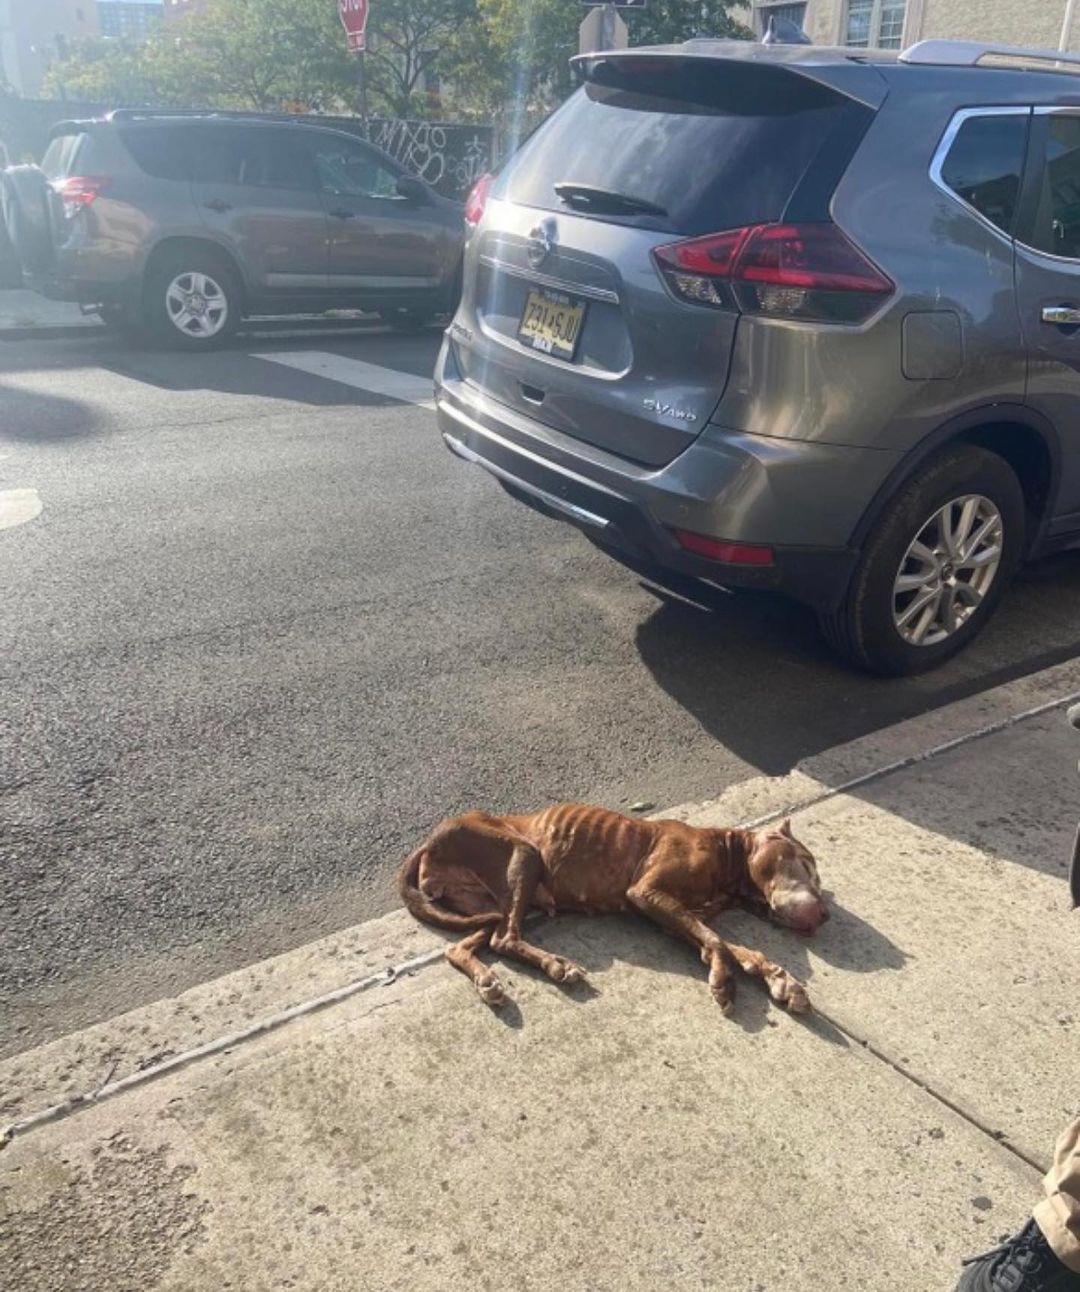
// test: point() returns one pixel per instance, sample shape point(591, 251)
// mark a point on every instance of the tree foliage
point(493, 57)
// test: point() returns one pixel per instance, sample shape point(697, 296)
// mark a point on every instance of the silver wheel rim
point(948, 570)
point(196, 305)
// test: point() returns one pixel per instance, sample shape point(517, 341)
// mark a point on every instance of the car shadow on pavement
point(31, 417)
point(242, 366)
point(754, 671)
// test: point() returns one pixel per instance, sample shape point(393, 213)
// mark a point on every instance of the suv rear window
point(59, 159)
point(713, 153)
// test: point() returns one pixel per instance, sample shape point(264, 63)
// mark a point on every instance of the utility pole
point(1066, 26)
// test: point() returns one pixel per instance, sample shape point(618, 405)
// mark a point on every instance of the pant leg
point(1058, 1215)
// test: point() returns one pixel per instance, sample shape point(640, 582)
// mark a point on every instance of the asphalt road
point(265, 632)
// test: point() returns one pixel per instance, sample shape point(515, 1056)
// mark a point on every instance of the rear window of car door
point(165, 152)
point(258, 157)
point(60, 155)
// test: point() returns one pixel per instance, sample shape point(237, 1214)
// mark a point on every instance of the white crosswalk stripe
point(371, 377)
point(17, 506)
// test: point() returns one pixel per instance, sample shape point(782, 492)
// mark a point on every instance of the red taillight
point(717, 549)
point(801, 271)
point(79, 191)
point(477, 200)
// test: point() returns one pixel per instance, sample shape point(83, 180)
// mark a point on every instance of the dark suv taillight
point(77, 192)
point(794, 271)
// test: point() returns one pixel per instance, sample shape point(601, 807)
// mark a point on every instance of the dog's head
point(785, 874)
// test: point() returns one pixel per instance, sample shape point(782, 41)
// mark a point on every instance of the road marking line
point(371, 377)
point(17, 506)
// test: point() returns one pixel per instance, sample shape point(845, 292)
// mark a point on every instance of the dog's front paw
point(564, 971)
point(788, 991)
point(491, 990)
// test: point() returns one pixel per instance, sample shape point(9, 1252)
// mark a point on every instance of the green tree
point(667, 22)
point(518, 59)
point(231, 53)
point(262, 54)
point(115, 72)
point(266, 54)
point(407, 38)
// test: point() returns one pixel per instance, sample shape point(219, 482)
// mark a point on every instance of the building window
point(792, 12)
point(875, 24)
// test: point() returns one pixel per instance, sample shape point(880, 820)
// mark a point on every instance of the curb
point(272, 325)
point(49, 331)
point(149, 1042)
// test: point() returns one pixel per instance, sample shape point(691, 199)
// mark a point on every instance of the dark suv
point(792, 318)
point(184, 224)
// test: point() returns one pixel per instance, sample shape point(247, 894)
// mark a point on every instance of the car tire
point(905, 610)
point(192, 300)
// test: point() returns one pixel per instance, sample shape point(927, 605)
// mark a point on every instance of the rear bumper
point(57, 287)
point(792, 496)
point(97, 271)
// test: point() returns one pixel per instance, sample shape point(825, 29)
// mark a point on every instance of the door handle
point(1061, 315)
point(216, 204)
point(342, 213)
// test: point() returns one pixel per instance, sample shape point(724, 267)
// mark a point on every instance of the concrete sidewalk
point(25, 314)
point(625, 1136)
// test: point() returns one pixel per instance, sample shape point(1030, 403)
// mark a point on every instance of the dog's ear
point(785, 827)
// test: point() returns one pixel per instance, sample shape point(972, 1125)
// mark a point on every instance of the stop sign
point(354, 20)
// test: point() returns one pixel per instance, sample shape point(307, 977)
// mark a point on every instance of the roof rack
point(975, 53)
point(141, 114)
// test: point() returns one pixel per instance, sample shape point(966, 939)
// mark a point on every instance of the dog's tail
point(423, 908)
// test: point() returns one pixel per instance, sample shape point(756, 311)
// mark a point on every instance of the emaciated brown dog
point(482, 875)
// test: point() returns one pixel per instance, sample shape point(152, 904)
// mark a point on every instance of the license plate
point(552, 322)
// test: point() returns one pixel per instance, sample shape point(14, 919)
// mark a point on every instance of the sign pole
point(607, 26)
point(354, 16)
point(361, 89)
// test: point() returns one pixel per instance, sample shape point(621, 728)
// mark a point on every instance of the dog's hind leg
point(524, 879)
point(462, 955)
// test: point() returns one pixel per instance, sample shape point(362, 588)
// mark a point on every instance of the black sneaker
point(1023, 1264)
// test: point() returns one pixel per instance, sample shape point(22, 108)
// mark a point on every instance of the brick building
point(895, 24)
point(132, 20)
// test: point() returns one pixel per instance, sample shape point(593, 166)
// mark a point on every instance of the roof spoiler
point(835, 70)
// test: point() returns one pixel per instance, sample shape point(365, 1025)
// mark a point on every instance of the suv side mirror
point(415, 190)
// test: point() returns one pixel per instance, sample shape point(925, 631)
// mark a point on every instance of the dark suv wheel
point(934, 566)
point(192, 300)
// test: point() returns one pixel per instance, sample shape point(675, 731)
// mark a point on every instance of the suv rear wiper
point(588, 197)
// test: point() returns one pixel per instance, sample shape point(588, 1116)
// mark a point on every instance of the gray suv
point(794, 318)
point(183, 224)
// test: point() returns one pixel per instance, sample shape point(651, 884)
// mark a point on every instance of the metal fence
point(450, 156)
